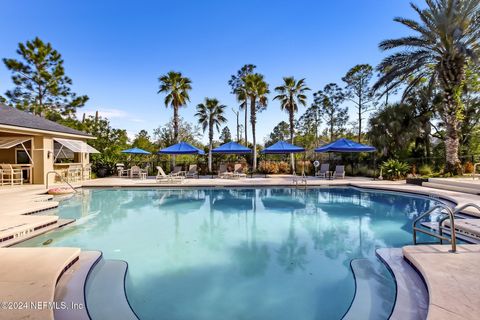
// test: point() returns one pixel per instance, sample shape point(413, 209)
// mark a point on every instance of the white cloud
point(106, 113)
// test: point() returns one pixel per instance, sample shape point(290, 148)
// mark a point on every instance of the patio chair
point(223, 172)
point(324, 169)
point(177, 170)
point(162, 177)
point(238, 171)
point(339, 172)
point(10, 176)
point(192, 171)
point(135, 171)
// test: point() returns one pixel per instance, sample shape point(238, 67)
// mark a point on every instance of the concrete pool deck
point(28, 279)
point(432, 261)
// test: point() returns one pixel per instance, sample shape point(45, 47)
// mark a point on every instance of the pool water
point(268, 253)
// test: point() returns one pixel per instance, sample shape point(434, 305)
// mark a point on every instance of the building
point(37, 146)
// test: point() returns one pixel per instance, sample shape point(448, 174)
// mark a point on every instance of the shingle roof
point(14, 117)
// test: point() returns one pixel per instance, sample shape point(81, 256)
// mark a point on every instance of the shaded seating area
point(340, 146)
point(183, 148)
point(16, 160)
point(69, 159)
point(232, 148)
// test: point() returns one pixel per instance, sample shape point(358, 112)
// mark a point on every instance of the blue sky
point(115, 50)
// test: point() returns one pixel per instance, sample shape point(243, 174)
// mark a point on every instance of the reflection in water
point(239, 253)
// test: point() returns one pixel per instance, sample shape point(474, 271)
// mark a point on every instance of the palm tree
point(291, 94)
point(444, 42)
point(176, 88)
point(210, 115)
point(257, 90)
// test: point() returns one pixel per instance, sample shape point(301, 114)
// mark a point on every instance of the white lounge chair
point(9, 175)
point(238, 171)
point(192, 171)
point(339, 172)
point(223, 172)
point(324, 169)
point(162, 177)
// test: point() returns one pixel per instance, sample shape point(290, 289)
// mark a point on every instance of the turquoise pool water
point(276, 253)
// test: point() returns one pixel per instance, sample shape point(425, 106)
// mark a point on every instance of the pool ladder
point(445, 210)
point(61, 179)
point(448, 214)
point(299, 181)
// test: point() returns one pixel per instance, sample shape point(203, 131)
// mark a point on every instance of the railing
point(475, 170)
point(458, 210)
point(61, 179)
point(450, 216)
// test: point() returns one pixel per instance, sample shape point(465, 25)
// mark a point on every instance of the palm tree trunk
point(451, 145)
point(210, 147)
point(246, 122)
point(451, 80)
point(292, 129)
point(175, 131)
point(253, 121)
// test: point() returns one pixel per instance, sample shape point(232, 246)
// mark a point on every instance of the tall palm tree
point(257, 90)
point(291, 94)
point(176, 87)
point(210, 115)
point(445, 40)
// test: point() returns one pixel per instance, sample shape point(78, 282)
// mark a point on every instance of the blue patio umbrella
point(232, 148)
point(181, 148)
point(345, 145)
point(282, 147)
point(135, 151)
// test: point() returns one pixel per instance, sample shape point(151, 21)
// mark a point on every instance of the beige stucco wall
point(42, 153)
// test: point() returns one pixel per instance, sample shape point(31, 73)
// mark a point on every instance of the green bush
point(393, 169)
point(425, 170)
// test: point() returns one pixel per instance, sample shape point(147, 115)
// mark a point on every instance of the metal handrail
point(451, 216)
point(475, 170)
point(457, 210)
point(61, 179)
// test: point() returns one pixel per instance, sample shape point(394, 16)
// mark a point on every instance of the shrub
point(393, 169)
point(268, 167)
point(425, 170)
point(283, 167)
point(304, 165)
point(468, 167)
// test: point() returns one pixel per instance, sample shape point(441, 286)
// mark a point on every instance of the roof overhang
point(25, 130)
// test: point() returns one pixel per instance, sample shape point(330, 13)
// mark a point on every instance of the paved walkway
point(453, 279)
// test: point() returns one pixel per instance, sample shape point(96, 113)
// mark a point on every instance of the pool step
point(459, 186)
point(70, 288)
point(105, 291)
point(412, 295)
point(371, 291)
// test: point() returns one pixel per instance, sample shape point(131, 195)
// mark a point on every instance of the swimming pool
point(223, 253)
